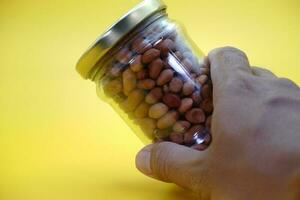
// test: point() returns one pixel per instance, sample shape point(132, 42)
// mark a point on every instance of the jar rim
point(115, 33)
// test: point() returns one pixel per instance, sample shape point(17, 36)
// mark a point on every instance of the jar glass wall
point(158, 82)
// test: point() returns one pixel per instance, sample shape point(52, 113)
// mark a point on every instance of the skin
point(255, 152)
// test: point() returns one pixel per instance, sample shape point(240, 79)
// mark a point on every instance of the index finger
point(227, 62)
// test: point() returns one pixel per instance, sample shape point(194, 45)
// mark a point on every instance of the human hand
point(255, 151)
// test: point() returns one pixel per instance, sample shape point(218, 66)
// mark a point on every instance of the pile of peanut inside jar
point(163, 87)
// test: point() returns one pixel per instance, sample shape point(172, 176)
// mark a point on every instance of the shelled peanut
point(166, 89)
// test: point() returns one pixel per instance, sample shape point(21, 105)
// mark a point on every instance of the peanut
point(187, 64)
point(146, 84)
point(172, 100)
point(142, 110)
point(186, 104)
point(193, 75)
point(157, 29)
point(205, 138)
point(173, 36)
point(208, 122)
point(113, 87)
point(137, 65)
point(155, 68)
point(116, 70)
point(181, 126)
point(199, 147)
point(176, 85)
point(154, 95)
point(195, 116)
point(164, 77)
point(150, 55)
point(166, 89)
point(168, 120)
point(162, 133)
point(204, 70)
point(156, 111)
point(124, 56)
point(140, 45)
point(188, 88)
point(167, 64)
point(177, 137)
point(178, 55)
point(129, 81)
point(207, 105)
point(202, 79)
point(165, 47)
point(207, 91)
point(196, 96)
point(191, 135)
point(133, 100)
point(143, 74)
point(148, 126)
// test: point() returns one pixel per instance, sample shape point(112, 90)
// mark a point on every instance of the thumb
point(174, 163)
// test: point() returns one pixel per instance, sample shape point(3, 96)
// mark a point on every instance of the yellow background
point(57, 140)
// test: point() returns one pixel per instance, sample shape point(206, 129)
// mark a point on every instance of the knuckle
point(266, 71)
point(239, 83)
point(274, 96)
point(228, 50)
point(284, 82)
point(280, 91)
point(270, 101)
point(261, 69)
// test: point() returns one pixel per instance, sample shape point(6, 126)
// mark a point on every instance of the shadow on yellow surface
point(57, 139)
point(140, 188)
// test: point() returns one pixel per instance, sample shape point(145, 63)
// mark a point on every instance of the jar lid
point(115, 33)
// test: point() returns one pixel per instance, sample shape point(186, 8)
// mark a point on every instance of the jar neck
point(99, 69)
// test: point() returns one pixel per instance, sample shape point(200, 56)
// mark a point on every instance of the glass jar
point(152, 74)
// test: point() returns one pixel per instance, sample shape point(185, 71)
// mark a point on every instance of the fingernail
point(143, 160)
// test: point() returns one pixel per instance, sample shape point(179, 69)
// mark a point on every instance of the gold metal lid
point(115, 33)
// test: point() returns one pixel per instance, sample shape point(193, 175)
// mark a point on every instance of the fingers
point(171, 162)
point(261, 72)
point(227, 62)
